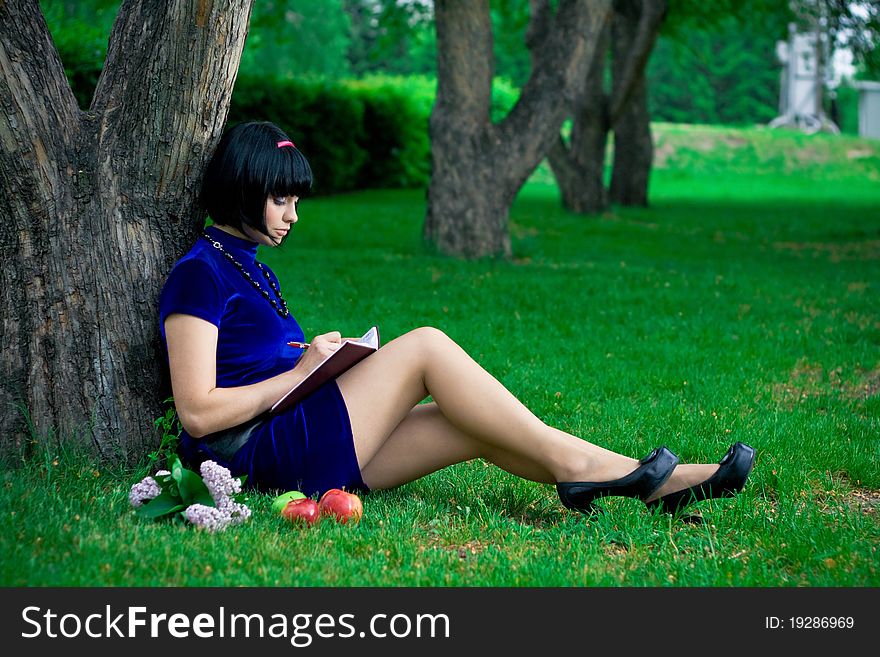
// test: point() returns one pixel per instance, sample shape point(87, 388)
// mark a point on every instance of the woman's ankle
point(595, 469)
point(685, 476)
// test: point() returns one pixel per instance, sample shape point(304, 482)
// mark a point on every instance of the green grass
point(743, 305)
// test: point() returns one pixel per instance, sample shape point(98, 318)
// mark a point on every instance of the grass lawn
point(742, 305)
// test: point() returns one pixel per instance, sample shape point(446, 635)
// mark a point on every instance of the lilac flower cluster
point(222, 486)
point(209, 518)
point(145, 490)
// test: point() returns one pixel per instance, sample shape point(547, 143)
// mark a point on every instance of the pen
point(298, 345)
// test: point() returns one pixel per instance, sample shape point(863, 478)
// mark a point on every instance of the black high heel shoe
point(728, 480)
point(653, 472)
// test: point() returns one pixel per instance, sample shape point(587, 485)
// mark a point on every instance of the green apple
point(281, 501)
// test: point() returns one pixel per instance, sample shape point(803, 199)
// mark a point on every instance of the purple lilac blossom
point(221, 485)
point(206, 517)
point(143, 491)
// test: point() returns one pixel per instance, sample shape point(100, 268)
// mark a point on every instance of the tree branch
point(35, 96)
point(651, 16)
point(540, 16)
point(563, 54)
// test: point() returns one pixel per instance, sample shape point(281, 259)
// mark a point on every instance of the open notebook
point(350, 353)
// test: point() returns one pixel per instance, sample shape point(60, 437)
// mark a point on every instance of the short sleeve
point(192, 288)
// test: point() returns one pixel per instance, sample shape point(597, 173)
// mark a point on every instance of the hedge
point(356, 134)
point(371, 132)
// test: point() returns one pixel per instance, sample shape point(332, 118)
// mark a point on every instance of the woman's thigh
point(381, 390)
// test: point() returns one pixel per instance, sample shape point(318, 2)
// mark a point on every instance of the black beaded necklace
point(282, 309)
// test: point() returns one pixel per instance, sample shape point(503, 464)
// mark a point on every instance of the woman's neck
point(235, 233)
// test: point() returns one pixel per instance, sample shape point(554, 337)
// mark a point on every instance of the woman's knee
point(431, 338)
point(421, 347)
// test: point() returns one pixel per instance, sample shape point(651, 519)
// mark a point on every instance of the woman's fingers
point(332, 336)
point(327, 343)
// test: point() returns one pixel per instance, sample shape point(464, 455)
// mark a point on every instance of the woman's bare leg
point(381, 391)
point(426, 441)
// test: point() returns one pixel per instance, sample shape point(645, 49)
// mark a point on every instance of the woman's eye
point(280, 200)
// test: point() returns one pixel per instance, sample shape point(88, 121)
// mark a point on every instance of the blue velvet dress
point(309, 447)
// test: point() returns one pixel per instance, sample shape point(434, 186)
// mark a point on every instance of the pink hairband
point(281, 144)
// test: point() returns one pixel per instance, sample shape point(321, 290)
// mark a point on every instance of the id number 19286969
point(809, 623)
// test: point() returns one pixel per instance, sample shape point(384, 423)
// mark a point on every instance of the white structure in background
point(807, 70)
point(869, 109)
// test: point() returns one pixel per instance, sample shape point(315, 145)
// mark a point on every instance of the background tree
point(635, 28)
point(398, 37)
point(293, 38)
point(97, 205)
point(579, 164)
point(510, 20)
point(717, 71)
point(847, 24)
point(477, 166)
point(391, 36)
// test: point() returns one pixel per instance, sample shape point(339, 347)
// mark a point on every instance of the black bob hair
point(247, 168)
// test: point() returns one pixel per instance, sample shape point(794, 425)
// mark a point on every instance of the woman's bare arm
point(204, 408)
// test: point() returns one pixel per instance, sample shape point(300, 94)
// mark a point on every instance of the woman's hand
point(319, 349)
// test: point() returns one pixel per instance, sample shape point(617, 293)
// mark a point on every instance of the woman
point(226, 327)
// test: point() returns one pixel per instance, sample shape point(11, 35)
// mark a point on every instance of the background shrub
point(363, 133)
point(323, 119)
point(395, 129)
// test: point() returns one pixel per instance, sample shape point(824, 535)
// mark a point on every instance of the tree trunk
point(633, 146)
point(478, 167)
point(633, 151)
point(97, 206)
point(579, 168)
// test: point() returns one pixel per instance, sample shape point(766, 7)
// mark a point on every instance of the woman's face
point(280, 214)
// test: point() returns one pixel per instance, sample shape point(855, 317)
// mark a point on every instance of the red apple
point(342, 505)
point(304, 510)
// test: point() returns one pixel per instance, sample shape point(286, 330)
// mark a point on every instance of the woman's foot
point(642, 482)
point(685, 476)
point(728, 479)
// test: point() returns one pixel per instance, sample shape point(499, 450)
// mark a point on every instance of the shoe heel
point(567, 492)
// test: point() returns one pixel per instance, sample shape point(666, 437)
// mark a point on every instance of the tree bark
point(633, 151)
point(634, 28)
point(579, 167)
point(97, 206)
point(479, 167)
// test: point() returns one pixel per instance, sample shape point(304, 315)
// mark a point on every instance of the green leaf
point(193, 489)
point(167, 485)
point(159, 506)
point(176, 467)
